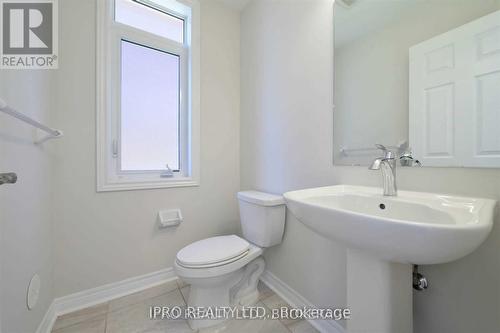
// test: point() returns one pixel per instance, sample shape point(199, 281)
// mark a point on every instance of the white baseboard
point(91, 297)
point(48, 320)
point(296, 300)
point(94, 296)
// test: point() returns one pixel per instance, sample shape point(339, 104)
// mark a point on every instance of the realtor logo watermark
point(28, 34)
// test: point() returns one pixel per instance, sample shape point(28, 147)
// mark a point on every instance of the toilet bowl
point(223, 271)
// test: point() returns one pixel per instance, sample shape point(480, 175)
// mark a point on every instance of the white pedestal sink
point(385, 236)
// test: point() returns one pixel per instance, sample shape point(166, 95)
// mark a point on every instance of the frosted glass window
point(149, 108)
point(149, 19)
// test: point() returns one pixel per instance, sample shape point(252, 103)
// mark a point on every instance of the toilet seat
point(213, 252)
point(219, 269)
point(215, 264)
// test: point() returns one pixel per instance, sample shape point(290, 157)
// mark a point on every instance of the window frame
point(110, 34)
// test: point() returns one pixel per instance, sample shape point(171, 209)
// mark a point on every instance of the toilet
point(223, 271)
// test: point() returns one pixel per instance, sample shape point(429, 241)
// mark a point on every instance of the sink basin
point(412, 228)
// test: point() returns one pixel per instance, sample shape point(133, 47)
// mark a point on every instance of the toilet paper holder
point(169, 218)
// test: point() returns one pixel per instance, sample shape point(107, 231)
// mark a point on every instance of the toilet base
point(245, 292)
point(228, 290)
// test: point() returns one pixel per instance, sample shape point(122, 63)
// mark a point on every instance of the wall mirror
point(419, 76)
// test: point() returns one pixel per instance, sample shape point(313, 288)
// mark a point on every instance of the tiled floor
point(130, 314)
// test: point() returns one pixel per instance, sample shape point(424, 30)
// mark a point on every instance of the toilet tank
point(262, 217)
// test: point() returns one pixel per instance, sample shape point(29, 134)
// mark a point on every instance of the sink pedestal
point(379, 294)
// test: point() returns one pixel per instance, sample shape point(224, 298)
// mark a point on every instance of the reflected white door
point(455, 96)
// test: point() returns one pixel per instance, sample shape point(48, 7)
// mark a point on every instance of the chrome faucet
point(388, 166)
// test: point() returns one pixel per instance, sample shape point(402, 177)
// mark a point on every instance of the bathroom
point(277, 96)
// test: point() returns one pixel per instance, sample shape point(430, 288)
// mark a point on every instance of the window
point(150, 19)
point(150, 108)
point(148, 94)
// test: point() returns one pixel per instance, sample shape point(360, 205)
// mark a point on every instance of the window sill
point(147, 185)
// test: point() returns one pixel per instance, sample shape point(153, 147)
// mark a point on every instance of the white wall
point(25, 215)
point(106, 237)
point(286, 130)
point(371, 92)
point(286, 143)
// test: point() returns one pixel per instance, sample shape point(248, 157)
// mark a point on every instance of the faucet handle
point(407, 160)
point(388, 154)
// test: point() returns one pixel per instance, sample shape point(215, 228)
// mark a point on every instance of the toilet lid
point(212, 250)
